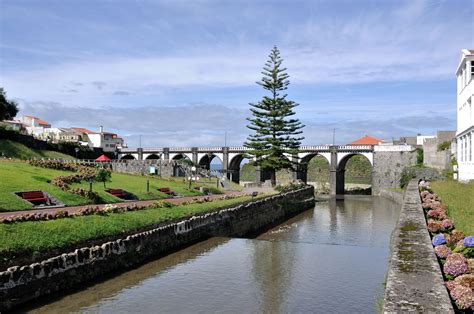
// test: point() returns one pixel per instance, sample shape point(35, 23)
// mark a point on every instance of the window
point(472, 69)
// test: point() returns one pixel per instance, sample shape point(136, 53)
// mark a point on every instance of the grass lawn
point(18, 176)
point(460, 200)
point(33, 238)
point(13, 149)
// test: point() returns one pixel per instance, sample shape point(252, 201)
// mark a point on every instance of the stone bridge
point(387, 161)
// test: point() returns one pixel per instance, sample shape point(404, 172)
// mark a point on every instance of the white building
point(35, 126)
point(465, 116)
point(109, 142)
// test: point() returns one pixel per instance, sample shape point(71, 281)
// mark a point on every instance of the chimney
point(101, 128)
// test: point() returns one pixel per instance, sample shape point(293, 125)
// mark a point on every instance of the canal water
point(330, 259)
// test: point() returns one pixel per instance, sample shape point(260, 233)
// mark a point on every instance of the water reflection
point(330, 259)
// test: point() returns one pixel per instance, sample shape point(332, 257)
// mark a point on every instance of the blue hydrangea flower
point(469, 241)
point(438, 240)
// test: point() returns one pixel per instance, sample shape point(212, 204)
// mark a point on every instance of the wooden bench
point(34, 196)
point(166, 191)
point(118, 192)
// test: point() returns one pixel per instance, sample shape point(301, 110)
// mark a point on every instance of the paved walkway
point(74, 209)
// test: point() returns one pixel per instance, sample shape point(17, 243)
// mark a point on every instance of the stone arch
point(180, 157)
point(341, 170)
point(206, 160)
point(233, 169)
point(127, 157)
point(152, 157)
point(318, 173)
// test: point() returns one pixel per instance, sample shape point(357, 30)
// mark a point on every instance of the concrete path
point(74, 209)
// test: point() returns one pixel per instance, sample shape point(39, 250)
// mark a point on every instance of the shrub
point(444, 146)
point(406, 176)
point(419, 157)
point(103, 175)
point(289, 187)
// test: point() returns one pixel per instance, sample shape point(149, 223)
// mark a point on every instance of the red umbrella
point(103, 158)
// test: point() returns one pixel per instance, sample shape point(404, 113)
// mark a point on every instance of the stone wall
point(163, 168)
point(414, 280)
point(433, 158)
point(388, 167)
point(21, 284)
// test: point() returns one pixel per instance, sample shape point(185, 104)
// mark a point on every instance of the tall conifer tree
point(276, 132)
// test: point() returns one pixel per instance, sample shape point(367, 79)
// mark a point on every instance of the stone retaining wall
point(21, 284)
point(414, 281)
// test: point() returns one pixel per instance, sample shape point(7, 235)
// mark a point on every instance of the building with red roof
point(367, 140)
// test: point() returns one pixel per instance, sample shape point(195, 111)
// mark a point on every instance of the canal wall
point(414, 281)
point(21, 284)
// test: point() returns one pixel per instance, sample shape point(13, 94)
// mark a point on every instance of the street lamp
point(77, 151)
point(192, 178)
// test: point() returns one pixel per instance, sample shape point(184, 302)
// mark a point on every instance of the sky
point(182, 73)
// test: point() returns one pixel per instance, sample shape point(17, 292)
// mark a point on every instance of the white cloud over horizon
point(165, 57)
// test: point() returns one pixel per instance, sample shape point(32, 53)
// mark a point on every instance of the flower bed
point(83, 172)
point(107, 209)
point(454, 250)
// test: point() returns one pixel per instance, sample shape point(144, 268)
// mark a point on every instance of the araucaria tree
point(276, 132)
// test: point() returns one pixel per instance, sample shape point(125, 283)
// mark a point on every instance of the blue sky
point(183, 72)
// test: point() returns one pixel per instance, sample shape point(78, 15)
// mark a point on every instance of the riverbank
point(19, 284)
point(414, 280)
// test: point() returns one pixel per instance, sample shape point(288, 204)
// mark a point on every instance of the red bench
point(34, 196)
point(166, 191)
point(117, 192)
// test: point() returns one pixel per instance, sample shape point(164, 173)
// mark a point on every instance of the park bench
point(34, 196)
point(166, 191)
point(118, 193)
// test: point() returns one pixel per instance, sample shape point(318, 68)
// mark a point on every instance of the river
point(330, 259)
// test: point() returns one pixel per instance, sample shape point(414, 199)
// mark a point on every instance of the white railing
point(394, 148)
point(209, 149)
point(314, 147)
point(355, 147)
point(180, 149)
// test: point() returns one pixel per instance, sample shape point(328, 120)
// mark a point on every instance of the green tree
point(275, 131)
point(103, 175)
point(8, 108)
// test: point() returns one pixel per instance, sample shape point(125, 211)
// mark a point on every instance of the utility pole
point(140, 141)
point(334, 137)
point(225, 139)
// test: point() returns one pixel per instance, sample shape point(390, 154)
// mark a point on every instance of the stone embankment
point(414, 281)
point(21, 284)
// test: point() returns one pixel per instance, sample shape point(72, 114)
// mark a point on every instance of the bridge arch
point(152, 157)
point(361, 178)
point(314, 168)
point(128, 157)
point(206, 160)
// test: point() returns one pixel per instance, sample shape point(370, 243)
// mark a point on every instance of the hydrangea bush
point(452, 247)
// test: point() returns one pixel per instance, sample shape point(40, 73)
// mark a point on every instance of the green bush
point(407, 175)
point(419, 157)
point(289, 187)
point(444, 146)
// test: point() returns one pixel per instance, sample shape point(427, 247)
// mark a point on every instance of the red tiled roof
point(40, 122)
point(367, 140)
point(82, 130)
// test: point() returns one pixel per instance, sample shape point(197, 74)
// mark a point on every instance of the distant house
point(35, 126)
point(367, 140)
point(465, 116)
point(14, 125)
point(109, 142)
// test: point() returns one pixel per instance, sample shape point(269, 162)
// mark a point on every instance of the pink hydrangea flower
point(442, 251)
point(463, 296)
point(450, 285)
point(456, 264)
point(466, 280)
point(433, 225)
point(447, 224)
point(437, 214)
